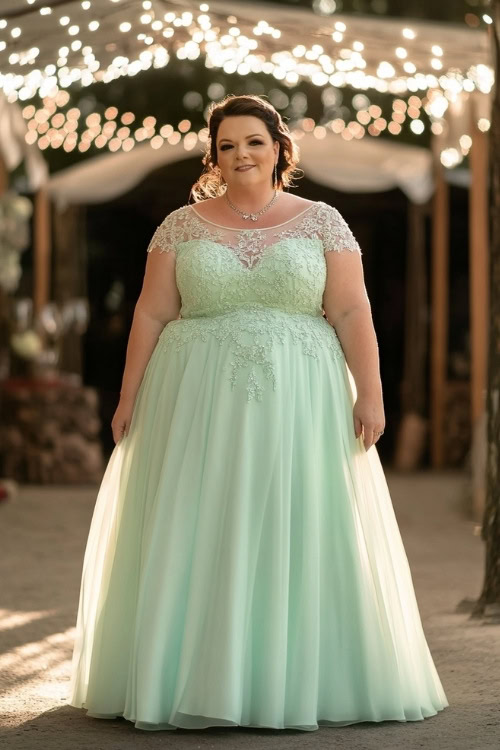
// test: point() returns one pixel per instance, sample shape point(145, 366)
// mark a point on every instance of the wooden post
point(4, 176)
point(479, 303)
point(412, 432)
point(42, 250)
point(439, 308)
point(4, 302)
point(488, 603)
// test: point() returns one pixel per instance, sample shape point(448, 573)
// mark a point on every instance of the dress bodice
point(220, 269)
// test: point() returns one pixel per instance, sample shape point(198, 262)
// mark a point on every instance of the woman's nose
point(241, 151)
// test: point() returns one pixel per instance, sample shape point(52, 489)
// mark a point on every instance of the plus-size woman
point(244, 565)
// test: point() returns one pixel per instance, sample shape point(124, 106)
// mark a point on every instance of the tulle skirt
point(244, 565)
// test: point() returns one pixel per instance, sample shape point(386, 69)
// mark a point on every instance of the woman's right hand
point(120, 423)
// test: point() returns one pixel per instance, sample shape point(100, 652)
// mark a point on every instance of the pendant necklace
point(252, 216)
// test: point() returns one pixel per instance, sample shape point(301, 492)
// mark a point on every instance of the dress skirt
point(244, 565)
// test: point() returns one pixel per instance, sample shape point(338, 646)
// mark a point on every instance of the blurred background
point(102, 127)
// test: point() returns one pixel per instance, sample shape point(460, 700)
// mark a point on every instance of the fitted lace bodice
point(253, 286)
point(219, 268)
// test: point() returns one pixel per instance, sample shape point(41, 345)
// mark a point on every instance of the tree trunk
point(488, 603)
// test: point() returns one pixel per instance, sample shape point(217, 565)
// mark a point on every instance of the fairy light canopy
point(49, 46)
point(50, 43)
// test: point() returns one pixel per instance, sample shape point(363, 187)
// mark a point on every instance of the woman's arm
point(159, 302)
point(348, 310)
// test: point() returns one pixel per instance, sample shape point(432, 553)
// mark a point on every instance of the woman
point(244, 565)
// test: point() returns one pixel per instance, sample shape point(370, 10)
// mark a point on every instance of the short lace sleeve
point(170, 232)
point(335, 231)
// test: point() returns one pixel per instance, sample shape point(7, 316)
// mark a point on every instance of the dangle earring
point(220, 180)
point(275, 176)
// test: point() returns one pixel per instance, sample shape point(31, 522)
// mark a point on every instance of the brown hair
point(210, 184)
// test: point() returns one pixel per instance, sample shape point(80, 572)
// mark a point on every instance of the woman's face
point(244, 141)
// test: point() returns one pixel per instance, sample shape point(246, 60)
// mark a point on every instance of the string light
point(423, 74)
point(47, 126)
point(227, 46)
point(450, 157)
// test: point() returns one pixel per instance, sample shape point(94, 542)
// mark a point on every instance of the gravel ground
point(42, 540)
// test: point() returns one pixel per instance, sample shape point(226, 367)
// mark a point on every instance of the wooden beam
point(439, 310)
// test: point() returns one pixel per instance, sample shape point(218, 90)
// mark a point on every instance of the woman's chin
point(248, 178)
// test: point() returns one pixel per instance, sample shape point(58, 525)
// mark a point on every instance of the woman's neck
point(250, 200)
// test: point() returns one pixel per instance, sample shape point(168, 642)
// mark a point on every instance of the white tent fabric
point(367, 165)
point(103, 178)
point(13, 147)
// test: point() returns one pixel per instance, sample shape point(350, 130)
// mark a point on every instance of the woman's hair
point(210, 183)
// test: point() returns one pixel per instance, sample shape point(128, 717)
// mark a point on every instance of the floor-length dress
point(244, 565)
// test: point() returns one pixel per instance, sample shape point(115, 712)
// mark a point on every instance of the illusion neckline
point(251, 229)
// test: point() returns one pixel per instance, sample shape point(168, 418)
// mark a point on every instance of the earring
point(220, 180)
point(275, 176)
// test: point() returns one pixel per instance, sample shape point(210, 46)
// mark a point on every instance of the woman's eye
point(227, 145)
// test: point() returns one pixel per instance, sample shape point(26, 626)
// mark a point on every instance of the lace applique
point(253, 334)
point(179, 227)
point(320, 221)
point(249, 248)
point(330, 226)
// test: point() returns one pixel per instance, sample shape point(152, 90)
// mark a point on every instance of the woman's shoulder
point(171, 230)
point(321, 208)
point(328, 215)
point(177, 213)
point(301, 202)
point(335, 232)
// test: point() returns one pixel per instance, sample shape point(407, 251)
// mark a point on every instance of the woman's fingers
point(372, 435)
point(369, 420)
point(119, 430)
point(369, 439)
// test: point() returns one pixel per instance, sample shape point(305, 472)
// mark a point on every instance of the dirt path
point(42, 540)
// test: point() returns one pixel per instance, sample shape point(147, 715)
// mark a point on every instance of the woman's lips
point(245, 168)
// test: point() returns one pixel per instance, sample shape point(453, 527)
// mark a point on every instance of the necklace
point(255, 216)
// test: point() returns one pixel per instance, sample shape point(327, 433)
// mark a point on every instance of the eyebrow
point(248, 136)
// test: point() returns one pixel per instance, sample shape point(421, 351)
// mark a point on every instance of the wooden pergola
point(463, 47)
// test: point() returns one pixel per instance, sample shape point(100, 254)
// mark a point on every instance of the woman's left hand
point(369, 419)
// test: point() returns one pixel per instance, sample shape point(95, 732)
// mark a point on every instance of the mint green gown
point(244, 565)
